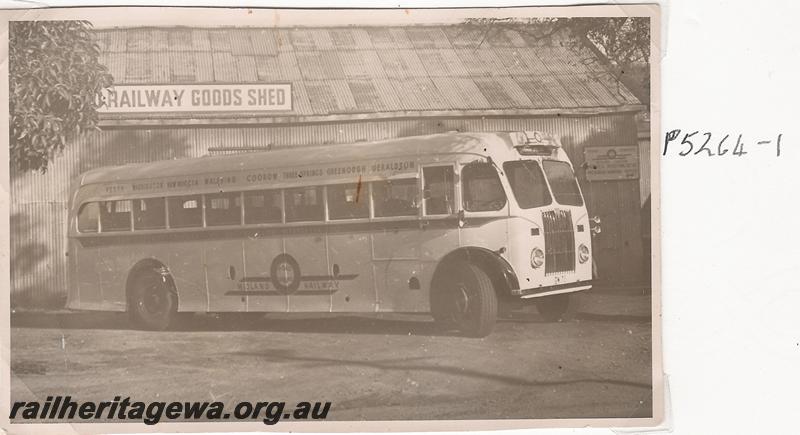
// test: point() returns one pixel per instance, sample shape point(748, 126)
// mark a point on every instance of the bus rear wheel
point(465, 298)
point(152, 303)
point(553, 308)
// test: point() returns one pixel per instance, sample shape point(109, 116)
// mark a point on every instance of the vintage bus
point(452, 224)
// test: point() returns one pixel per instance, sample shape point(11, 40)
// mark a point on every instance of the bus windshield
point(527, 183)
point(562, 181)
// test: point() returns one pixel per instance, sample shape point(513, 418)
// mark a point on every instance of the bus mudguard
point(156, 266)
point(499, 270)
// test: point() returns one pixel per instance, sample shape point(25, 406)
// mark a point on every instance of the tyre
point(440, 312)
point(464, 298)
point(553, 308)
point(152, 303)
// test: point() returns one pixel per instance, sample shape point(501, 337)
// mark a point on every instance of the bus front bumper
point(552, 290)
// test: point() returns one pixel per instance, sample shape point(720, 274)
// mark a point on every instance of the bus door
point(348, 240)
point(396, 245)
point(485, 206)
point(302, 270)
point(97, 273)
point(222, 251)
point(263, 246)
point(440, 213)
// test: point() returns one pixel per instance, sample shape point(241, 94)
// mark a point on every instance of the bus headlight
point(537, 258)
point(583, 253)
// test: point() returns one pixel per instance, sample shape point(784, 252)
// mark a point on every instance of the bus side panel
point(88, 271)
point(437, 241)
point(349, 254)
point(396, 262)
point(114, 261)
point(223, 263)
point(259, 253)
point(185, 262)
point(307, 248)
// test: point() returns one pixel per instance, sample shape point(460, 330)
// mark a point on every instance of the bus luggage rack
point(559, 242)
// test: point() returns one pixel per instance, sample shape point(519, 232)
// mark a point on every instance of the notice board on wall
point(612, 163)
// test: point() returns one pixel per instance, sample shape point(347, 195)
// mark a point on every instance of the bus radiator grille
point(559, 242)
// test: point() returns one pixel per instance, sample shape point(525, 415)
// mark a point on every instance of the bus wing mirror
point(594, 225)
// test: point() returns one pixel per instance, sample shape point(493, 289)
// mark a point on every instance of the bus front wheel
point(152, 302)
point(465, 298)
point(553, 308)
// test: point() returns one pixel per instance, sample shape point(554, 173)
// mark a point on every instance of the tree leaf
point(54, 77)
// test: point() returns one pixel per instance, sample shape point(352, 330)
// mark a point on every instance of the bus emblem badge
point(285, 273)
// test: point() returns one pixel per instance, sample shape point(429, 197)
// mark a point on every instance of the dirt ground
point(387, 367)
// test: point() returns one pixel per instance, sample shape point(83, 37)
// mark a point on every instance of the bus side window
point(223, 209)
point(393, 198)
point(304, 204)
point(115, 215)
point(348, 201)
point(89, 218)
point(149, 214)
point(185, 211)
point(481, 188)
point(439, 190)
point(263, 207)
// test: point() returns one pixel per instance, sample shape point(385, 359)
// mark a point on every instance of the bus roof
point(497, 145)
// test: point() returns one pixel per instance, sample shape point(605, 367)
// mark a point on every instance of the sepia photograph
point(274, 216)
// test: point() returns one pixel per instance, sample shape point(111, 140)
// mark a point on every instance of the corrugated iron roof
point(361, 64)
point(180, 40)
point(265, 42)
point(161, 67)
point(372, 69)
point(225, 70)
point(246, 65)
point(183, 67)
point(204, 72)
point(366, 95)
point(138, 67)
point(200, 41)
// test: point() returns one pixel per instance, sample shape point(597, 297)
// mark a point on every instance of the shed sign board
point(196, 98)
point(612, 163)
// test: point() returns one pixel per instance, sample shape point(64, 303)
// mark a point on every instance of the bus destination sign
point(369, 170)
point(196, 98)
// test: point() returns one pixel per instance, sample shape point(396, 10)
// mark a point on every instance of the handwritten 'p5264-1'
point(696, 143)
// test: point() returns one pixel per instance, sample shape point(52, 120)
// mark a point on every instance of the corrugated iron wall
point(644, 158)
point(38, 211)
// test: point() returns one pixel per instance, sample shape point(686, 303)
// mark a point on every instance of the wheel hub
point(153, 300)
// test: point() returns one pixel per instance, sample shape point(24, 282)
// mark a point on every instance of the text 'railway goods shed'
point(184, 92)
